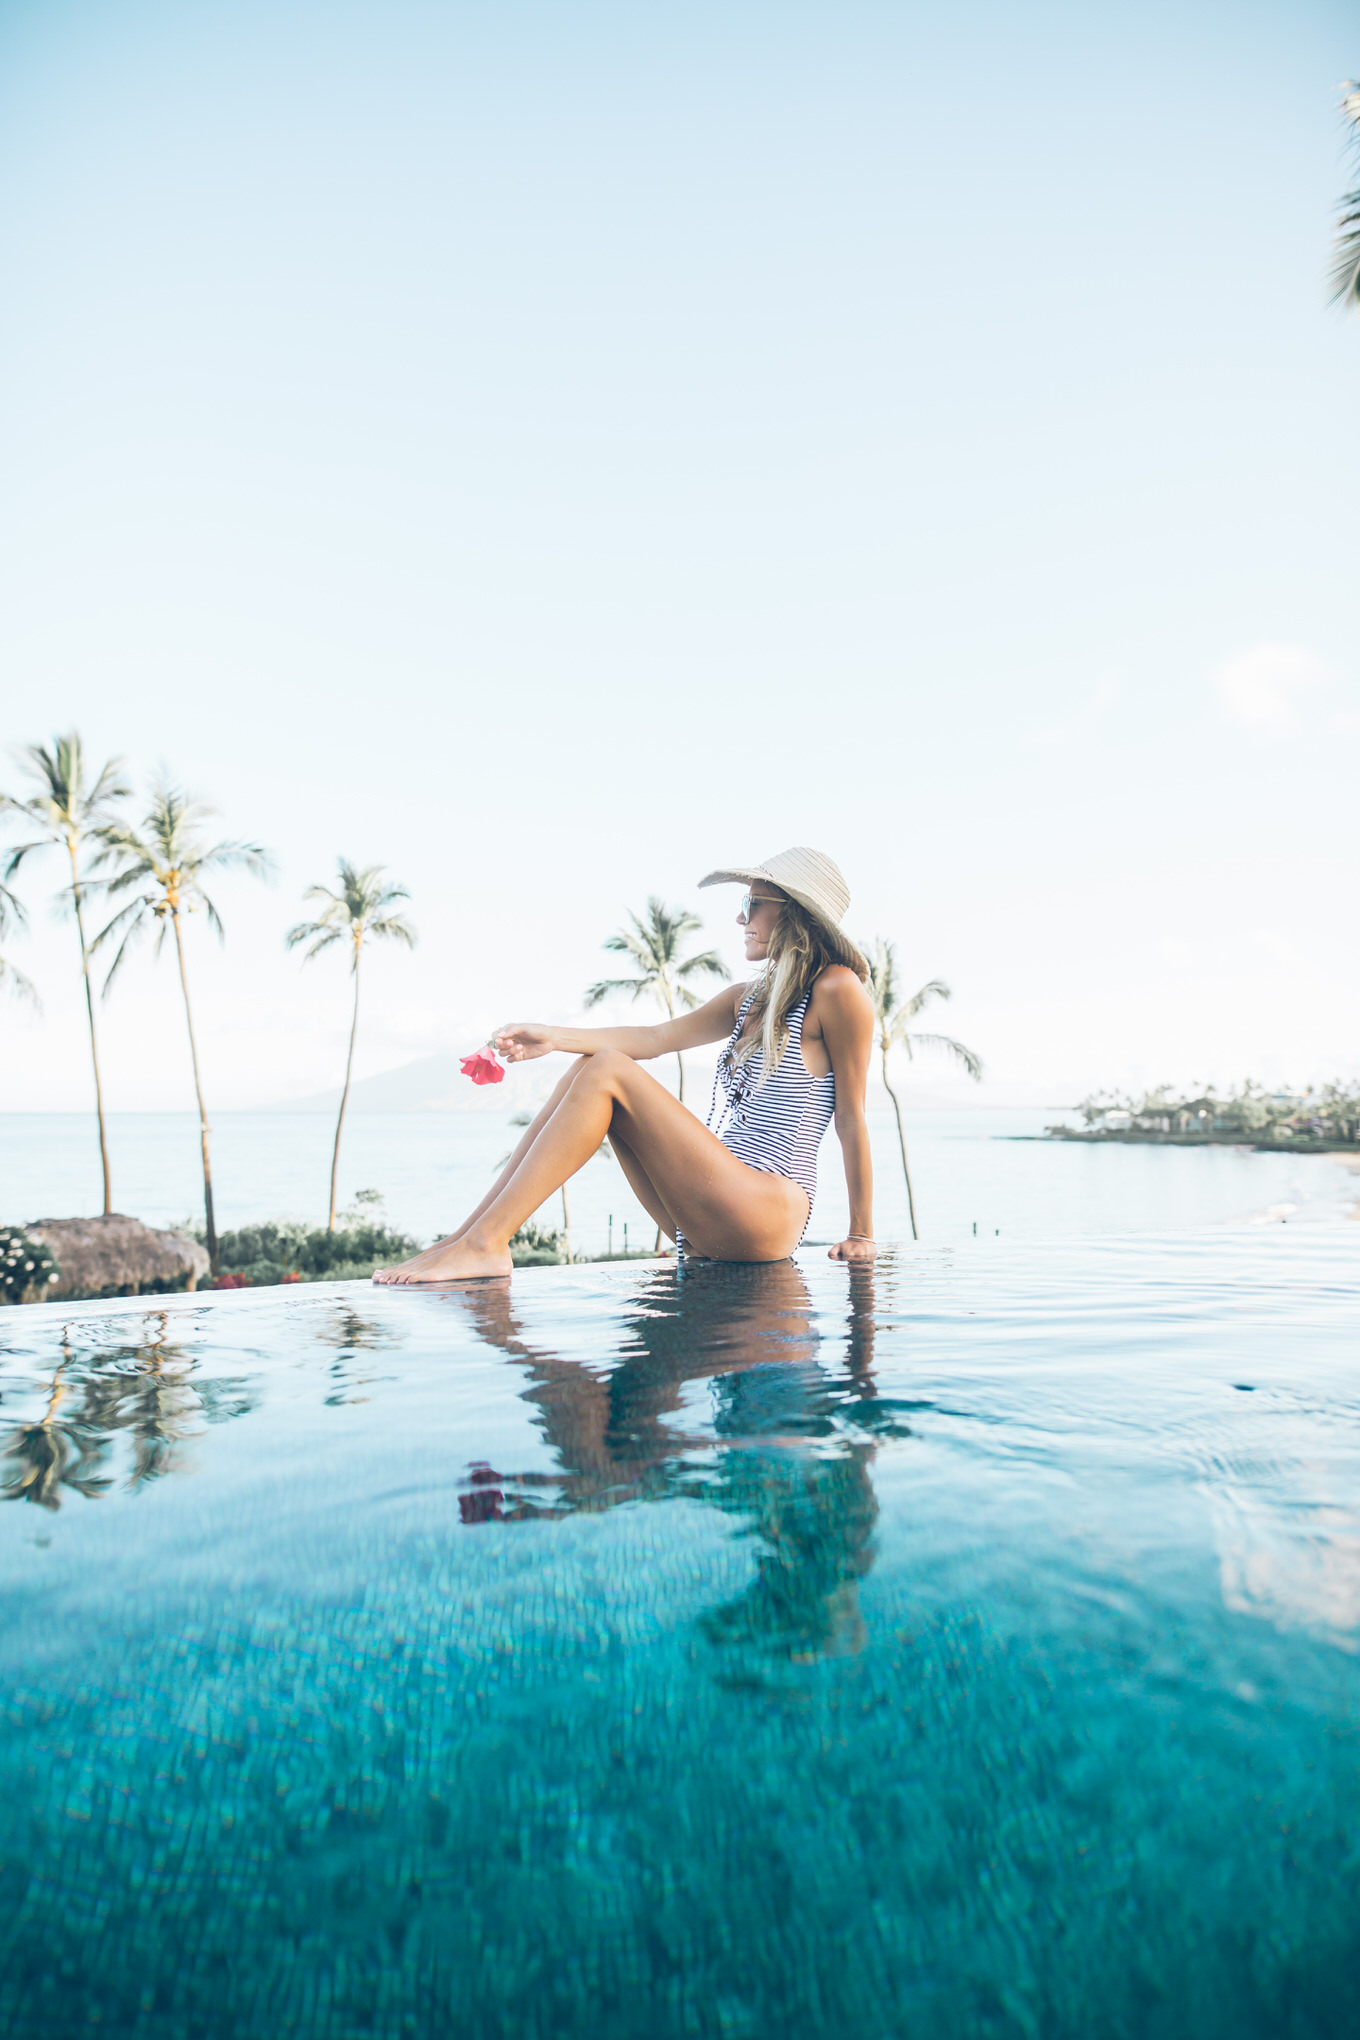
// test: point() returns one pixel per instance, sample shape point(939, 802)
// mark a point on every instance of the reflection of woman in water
point(797, 1055)
point(750, 1331)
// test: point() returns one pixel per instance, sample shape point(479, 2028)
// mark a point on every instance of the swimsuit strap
point(742, 1010)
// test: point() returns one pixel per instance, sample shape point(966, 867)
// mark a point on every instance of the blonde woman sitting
point(798, 1039)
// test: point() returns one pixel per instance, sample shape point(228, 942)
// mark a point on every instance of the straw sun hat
point(811, 878)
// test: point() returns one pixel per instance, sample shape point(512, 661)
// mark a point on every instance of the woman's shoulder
point(839, 989)
point(838, 979)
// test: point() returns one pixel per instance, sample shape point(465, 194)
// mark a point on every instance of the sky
point(551, 451)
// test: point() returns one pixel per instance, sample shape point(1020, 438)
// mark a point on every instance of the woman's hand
point(524, 1040)
point(853, 1250)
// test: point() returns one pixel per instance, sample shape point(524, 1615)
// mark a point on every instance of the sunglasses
point(756, 899)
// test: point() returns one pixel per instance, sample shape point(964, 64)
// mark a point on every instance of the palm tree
point(1346, 266)
point(166, 861)
point(360, 910)
point(67, 809)
point(12, 978)
point(893, 1023)
point(654, 944)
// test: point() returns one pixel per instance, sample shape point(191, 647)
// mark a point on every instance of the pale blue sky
point(553, 450)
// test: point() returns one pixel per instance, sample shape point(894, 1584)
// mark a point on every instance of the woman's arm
point(713, 1021)
point(847, 1023)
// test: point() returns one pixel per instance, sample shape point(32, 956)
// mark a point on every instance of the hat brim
point(847, 952)
point(742, 876)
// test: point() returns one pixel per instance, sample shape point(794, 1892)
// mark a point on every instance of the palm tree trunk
point(566, 1222)
point(680, 1065)
point(204, 1131)
point(344, 1095)
point(94, 1047)
point(902, 1143)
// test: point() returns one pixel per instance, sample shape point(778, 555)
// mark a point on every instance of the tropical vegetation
point(12, 979)
point(1345, 278)
point(28, 1267)
point(71, 810)
point(893, 1018)
point(1326, 1117)
point(286, 1250)
point(360, 911)
point(654, 943)
point(163, 864)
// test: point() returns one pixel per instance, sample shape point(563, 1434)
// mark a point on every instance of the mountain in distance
point(434, 1083)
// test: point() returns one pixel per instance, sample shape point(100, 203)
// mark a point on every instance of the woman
point(797, 1054)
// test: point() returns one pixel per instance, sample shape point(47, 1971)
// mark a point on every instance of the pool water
point(965, 1647)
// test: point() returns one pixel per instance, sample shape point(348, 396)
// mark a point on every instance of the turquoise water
point(980, 1168)
point(966, 1647)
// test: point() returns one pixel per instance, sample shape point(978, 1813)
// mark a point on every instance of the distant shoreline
point(1136, 1137)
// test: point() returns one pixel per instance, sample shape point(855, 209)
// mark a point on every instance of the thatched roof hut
point(117, 1256)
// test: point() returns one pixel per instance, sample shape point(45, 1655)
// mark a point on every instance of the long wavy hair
point(801, 948)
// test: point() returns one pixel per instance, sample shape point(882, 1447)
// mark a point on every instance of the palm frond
point(235, 856)
point(12, 980)
point(321, 935)
point(395, 928)
point(653, 941)
point(1344, 275)
point(936, 989)
point(1345, 272)
point(607, 987)
point(709, 964)
point(636, 946)
point(132, 910)
point(361, 908)
point(946, 1045)
point(17, 856)
point(12, 910)
point(138, 914)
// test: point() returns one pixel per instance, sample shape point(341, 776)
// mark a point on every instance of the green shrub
point(533, 1246)
point(28, 1269)
point(282, 1249)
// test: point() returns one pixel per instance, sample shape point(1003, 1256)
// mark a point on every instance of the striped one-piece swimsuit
point(776, 1126)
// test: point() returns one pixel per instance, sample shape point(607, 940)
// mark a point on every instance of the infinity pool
point(965, 1648)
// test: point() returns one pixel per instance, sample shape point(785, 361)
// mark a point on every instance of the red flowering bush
point(485, 1067)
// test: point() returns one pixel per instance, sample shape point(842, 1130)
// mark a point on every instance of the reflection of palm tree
point(351, 1333)
point(360, 911)
point(145, 1389)
point(894, 1028)
point(67, 810)
point(169, 859)
point(152, 1399)
point(653, 943)
point(749, 1329)
point(50, 1455)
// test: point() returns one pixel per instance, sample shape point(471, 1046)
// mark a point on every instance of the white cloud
point(1265, 685)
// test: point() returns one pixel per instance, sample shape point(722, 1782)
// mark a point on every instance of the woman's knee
point(606, 1068)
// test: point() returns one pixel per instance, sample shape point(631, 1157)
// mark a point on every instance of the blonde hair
point(801, 947)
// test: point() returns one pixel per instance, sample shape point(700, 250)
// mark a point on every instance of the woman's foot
point(451, 1260)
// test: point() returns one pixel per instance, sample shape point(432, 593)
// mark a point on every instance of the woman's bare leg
point(728, 1211)
point(531, 1133)
point(641, 1184)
